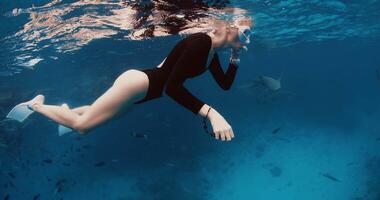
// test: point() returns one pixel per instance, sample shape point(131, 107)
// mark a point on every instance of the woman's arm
point(192, 57)
point(221, 128)
point(224, 80)
point(176, 90)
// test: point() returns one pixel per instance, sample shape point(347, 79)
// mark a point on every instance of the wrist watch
point(235, 60)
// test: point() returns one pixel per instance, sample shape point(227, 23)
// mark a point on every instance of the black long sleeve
point(224, 80)
point(186, 60)
point(192, 59)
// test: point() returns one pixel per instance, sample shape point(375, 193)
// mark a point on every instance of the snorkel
point(243, 24)
point(244, 36)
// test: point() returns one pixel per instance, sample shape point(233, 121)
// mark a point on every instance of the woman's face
point(232, 40)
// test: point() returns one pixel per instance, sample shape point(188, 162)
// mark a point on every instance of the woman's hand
point(234, 58)
point(220, 126)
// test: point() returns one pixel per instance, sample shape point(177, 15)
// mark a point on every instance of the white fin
point(20, 112)
point(63, 130)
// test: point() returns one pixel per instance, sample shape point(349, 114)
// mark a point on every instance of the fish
point(139, 135)
point(6, 197)
point(378, 139)
point(48, 161)
point(264, 81)
point(59, 185)
point(99, 164)
point(36, 197)
point(327, 175)
point(276, 130)
point(12, 175)
point(270, 83)
point(378, 74)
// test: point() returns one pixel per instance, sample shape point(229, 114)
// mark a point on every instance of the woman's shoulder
point(199, 35)
point(198, 40)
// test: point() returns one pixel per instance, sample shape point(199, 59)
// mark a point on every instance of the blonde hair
point(242, 20)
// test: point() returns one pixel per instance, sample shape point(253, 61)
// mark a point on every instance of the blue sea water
point(327, 143)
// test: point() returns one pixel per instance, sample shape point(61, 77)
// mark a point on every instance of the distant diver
point(190, 57)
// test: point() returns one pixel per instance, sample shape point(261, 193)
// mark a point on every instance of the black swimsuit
point(188, 59)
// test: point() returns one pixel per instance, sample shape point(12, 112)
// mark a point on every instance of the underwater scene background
point(318, 137)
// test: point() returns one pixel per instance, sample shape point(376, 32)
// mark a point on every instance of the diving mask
point(244, 34)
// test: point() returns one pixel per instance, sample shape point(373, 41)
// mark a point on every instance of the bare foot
point(36, 101)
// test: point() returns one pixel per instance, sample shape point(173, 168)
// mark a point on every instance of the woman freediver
point(189, 58)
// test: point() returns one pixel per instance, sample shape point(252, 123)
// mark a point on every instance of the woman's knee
point(81, 125)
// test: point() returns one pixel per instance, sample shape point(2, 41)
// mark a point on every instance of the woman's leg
point(79, 110)
point(127, 88)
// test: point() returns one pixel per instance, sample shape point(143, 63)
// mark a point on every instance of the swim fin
point(20, 112)
point(63, 130)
